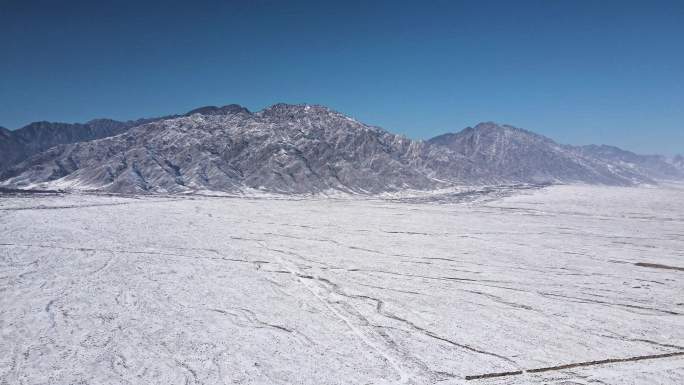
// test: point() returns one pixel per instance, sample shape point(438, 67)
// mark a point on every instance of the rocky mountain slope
point(18, 145)
point(308, 148)
point(284, 148)
point(656, 166)
point(500, 153)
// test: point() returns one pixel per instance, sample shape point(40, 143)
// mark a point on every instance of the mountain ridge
point(302, 148)
point(18, 145)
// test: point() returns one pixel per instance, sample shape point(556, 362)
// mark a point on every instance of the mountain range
point(300, 149)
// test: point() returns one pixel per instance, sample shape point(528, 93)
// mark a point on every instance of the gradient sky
point(577, 71)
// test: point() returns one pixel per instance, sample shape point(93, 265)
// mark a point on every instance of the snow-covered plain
point(221, 290)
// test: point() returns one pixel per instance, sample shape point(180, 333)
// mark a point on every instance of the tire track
point(404, 377)
point(658, 266)
point(415, 366)
point(575, 365)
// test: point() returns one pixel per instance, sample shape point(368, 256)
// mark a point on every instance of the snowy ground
point(218, 290)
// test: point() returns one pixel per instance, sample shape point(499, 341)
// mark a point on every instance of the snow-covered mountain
point(309, 148)
point(284, 148)
point(20, 144)
point(494, 153)
point(655, 166)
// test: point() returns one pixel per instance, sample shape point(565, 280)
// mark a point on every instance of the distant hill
point(18, 145)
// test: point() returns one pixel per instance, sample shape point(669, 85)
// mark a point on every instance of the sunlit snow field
point(220, 290)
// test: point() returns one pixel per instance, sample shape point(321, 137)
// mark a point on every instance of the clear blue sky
point(577, 71)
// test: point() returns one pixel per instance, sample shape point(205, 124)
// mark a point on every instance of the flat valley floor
point(558, 285)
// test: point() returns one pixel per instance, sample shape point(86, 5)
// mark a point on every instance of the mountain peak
point(491, 130)
point(228, 109)
point(493, 126)
point(284, 109)
point(487, 126)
